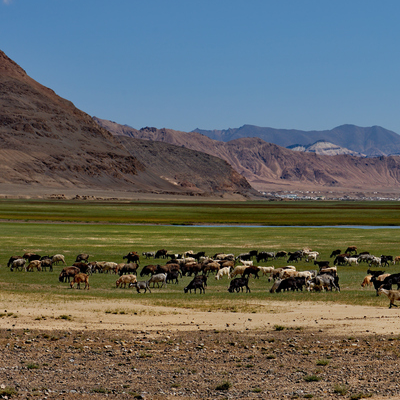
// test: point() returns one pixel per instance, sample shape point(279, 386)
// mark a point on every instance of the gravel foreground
point(249, 364)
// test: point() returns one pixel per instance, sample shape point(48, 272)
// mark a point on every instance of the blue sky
point(214, 64)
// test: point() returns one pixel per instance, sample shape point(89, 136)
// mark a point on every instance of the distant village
point(315, 195)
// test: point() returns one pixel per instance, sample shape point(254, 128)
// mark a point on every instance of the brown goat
point(78, 279)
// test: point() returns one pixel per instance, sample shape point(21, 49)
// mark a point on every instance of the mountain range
point(47, 146)
point(371, 141)
point(269, 167)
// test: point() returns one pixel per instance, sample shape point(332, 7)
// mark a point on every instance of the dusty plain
point(127, 349)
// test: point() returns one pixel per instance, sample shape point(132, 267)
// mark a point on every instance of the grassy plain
point(112, 235)
point(267, 213)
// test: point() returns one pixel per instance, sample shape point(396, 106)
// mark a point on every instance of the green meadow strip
point(267, 213)
point(110, 242)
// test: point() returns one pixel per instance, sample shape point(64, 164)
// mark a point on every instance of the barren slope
point(47, 143)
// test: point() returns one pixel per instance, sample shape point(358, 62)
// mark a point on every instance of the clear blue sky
point(214, 64)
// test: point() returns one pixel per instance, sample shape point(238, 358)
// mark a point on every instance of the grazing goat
point(367, 281)
point(141, 285)
point(68, 272)
point(391, 294)
point(159, 278)
point(78, 279)
point(265, 256)
point(239, 283)
point(351, 249)
point(161, 253)
point(396, 259)
point(82, 257)
point(125, 279)
point(335, 253)
point(132, 257)
point(148, 254)
point(173, 276)
point(196, 283)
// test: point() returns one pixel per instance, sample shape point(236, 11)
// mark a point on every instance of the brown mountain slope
point(191, 170)
point(269, 167)
point(46, 142)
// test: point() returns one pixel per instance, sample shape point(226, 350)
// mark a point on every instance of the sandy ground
point(131, 315)
point(97, 349)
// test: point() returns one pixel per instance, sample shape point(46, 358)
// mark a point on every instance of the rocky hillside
point(269, 167)
point(371, 141)
point(46, 142)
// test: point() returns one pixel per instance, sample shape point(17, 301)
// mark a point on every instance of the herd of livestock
point(238, 269)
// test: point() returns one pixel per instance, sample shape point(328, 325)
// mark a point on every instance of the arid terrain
point(119, 349)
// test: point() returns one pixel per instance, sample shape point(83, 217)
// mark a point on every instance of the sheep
point(211, 266)
point(130, 268)
point(304, 274)
point(18, 264)
point(247, 263)
point(47, 263)
point(312, 255)
point(391, 294)
point(239, 270)
point(331, 271)
point(58, 258)
point(222, 272)
point(109, 266)
point(125, 279)
point(266, 270)
point(78, 279)
point(351, 260)
point(157, 278)
point(34, 264)
point(85, 268)
point(287, 273)
point(375, 261)
point(148, 270)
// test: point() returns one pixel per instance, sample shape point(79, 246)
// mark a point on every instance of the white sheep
point(222, 272)
point(266, 270)
point(57, 258)
point(238, 270)
point(391, 294)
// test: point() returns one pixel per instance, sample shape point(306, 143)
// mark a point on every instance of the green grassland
point(113, 235)
point(267, 213)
